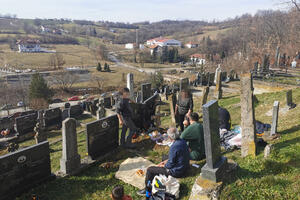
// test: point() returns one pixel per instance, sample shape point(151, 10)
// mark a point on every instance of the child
point(118, 194)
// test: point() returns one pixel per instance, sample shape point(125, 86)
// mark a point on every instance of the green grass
point(277, 177)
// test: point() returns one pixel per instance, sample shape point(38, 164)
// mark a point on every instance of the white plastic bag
point(236, 140)
point(171, 183)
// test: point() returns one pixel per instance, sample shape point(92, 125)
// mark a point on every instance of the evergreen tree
point(39, 89)
point(175, 58)
point(106, 67)
point(157, 80)
point(99, 68)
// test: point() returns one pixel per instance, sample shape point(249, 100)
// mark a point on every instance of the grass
point(257, 178)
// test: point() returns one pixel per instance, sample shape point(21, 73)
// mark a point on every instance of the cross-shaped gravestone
point(70, 161)
point(216, 164)
point(275, 118)
point(218, 90)
point(247, 116)
point(130, 84)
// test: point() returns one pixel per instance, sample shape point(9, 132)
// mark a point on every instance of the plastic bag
point(171, 185)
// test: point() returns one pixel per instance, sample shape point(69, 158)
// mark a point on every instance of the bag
point(162, 196)
point(170, 185)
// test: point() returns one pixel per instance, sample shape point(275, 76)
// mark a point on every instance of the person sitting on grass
point(177, 164)
point(118, 194)
point(194, 136)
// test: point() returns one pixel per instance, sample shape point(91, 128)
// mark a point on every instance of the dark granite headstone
point(146, 91)
point(25, 124)
point(102, 136)
point(184, 84)
point(65, 114)
point(215, 166)
point(75, 111)
point(7, 123)
point(52, 117)
point(24, 169)
point(107, 102)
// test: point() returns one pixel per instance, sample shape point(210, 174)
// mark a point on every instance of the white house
point(198, 59)
point(129, 46)
point(29, 45)
point(191, 45)
point(162, 42)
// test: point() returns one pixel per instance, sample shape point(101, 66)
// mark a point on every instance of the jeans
point(154, 171)
point(127, 123)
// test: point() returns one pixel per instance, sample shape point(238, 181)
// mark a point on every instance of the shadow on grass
point(291, 130)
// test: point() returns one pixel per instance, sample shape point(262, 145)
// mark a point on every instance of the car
point(74, 98)
point(57, 101)
point(6, 107)
point(20, 104)
point(85, 96)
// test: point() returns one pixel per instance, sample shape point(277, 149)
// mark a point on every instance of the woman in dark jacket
point(184, 106)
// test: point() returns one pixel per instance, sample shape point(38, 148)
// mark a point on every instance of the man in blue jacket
point(177, 163)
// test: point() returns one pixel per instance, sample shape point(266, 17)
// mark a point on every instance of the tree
point(106, 67)
point(99, 68)
point(56, 60)
point(65, 80)
point(99, 82)
point(39, 89)
point(157, 80)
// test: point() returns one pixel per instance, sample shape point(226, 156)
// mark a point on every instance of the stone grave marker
point(130, 84)
point(101, 112)
point(23, 169)
point(247, 116)
point(205, 93)
point(65, 114)
point(75, 111)
point(7, 123)
point(25, 124)
point(173, 101)
point(218, 90)
point(102, 136)
point(70, 161)
point(275, 118)
point(107, 102)
point(146, 92)
point(52, 118)
point(40, 133)
point(289, 99)
point(184, 84)
point(216, 164)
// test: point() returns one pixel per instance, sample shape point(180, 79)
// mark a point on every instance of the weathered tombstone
point(184, 84)
point(216, 164)
point(172, 108)
point(107, 102)
point(25, 124)
point(102, 136)
point(67, 105)
point(21, 170)
point(65, 114)
point(130, 84)
point(218, 90)
point(275, 118)
point(40, 133)
point(101, 112)
point(146, 91)
point(7, 123)
point(247, 116)
point(138, 98)
point(277, 56)
point(70, 161)
point(205, 93)
point(52, 118)
point(289, 99)
point(218, 70)
point(76, 111)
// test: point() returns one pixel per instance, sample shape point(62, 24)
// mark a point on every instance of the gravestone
point(102, 136)
point(146, 91)
point(289, 99)
point(65, 114)
point(218, 90)
point(184, 84)
point(138, 98)
point(25, 124)
point(52, 118)
point(218, 70)
point(247, 116)
point(7, 123)
point(70, 161)
point(277, 56)
point(75, 111)
point(130, 84)
point(275, 118)
point(101, 112)
point(40, 133)
point(205, 93)
point(23, 169)
point(216, 164)
point(107, 102)
point(173, 102)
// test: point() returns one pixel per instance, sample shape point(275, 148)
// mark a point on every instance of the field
point(257, 178)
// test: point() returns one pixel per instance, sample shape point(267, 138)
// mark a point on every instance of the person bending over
point(124, 112)
point(194, 136)
point(177, 164)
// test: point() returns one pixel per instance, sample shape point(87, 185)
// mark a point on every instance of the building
point(191, 45)
point(129, 46)
point(198, 59)
point(29, 46)
point(163, 42)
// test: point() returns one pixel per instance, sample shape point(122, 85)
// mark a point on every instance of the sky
point(134, 10)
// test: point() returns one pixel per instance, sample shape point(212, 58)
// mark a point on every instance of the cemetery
point(76, 148)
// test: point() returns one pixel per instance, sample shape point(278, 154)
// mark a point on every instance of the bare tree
point(65, 80)
point(56, 60)
point(99, 81)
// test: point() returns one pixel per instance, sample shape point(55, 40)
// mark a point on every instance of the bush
point(99, 68)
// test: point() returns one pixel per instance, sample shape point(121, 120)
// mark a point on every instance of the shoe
point(141, 192)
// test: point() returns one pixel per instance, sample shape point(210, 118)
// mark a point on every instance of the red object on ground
point(75, 98)
point(135, 136)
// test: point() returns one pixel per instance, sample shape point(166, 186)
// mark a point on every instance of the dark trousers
point(181, 120)
point(127, 123)
point(154, 171)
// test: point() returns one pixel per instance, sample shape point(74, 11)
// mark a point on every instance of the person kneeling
point(177, 163)
point(194, 135)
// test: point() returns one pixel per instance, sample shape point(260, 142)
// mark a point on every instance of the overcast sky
point(134, 10)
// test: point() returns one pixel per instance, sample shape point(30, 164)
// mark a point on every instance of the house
point(198, 59)
point(29, 45)
point(155, 49)
point(191, 45)
point(129, 46)
point(163, 42)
